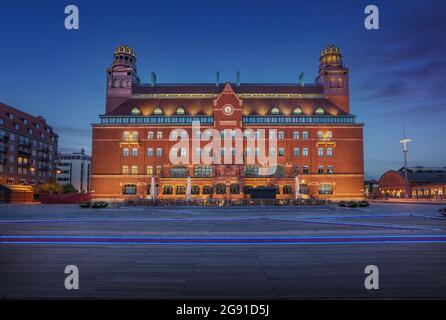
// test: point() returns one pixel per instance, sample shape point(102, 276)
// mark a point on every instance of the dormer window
point(158, 111)
point(136, 111)
point(180, 110)
point(320, 111)
point(297, 110)
point(275, 110)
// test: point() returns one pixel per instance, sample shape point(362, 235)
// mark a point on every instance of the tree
point(51, 187)
point(69, 188)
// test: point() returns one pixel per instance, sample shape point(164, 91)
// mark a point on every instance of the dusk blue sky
point(396, 73)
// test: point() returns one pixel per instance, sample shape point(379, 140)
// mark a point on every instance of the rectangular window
point(149, 170)
point(320, 169)
point(306, 170)
point(326, 188)
point(305, 152)
point(159, 170)
point(272, 134)
point(281, 135)
point(183, 152)
point(296, 152)
point(296, 135)
point(150, 135)
point(134, 152)
point(296, 170)
point(305, 135)
point(125, 170)
point(320, 152)
point(159, 135)
point(248, 152)
point(159, 152)
point(330, 169)
point(134, 170)
point(329, 152)
point(272, 152)
point(320, 134)
point(281, 152)
point(149, 152)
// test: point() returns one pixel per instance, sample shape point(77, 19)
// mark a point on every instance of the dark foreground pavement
point(263, 252)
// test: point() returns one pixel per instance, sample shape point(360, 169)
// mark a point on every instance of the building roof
point(212, 88)
point(422, 174)
point(197, 99)
point(19, 117)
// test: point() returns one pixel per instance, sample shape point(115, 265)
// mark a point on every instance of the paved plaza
point(223, 252)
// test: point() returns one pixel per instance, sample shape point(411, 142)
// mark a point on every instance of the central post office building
point(318, 139)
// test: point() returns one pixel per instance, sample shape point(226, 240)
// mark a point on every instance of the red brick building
point(318, 139)
point(28, 148)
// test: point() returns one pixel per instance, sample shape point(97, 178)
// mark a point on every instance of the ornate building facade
point(317, 137)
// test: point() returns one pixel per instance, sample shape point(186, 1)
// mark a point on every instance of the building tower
point(334, 77)
point(121, 76)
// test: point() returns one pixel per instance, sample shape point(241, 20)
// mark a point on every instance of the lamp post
point(405, 141)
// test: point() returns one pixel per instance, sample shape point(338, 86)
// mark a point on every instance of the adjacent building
point(75, 169)
point(28, 147)
point(318, 138)
point(423, 182)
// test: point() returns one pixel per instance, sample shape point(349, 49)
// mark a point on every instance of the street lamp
point(405, 141)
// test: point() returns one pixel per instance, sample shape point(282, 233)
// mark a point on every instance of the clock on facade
point(228, 109)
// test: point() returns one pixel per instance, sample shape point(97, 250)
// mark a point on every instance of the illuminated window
point(134, 170)
point(150, 135)
point(157, 111)
point(195, 190)
point(320, 111)
point(125, 169)
point(136, 111)
point(167, 190)
point(149, 170)
point(180, 110)
point(326, 188)
point(297, 110)
point(180, 190)
point(275, 110)
point(159, 135)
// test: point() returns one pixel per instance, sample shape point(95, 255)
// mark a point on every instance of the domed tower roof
point(123, 49)
point(331, 55)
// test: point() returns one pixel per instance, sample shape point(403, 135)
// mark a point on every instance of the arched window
point(129, 189)
point(275, 110)
point(235, 189)
point(320, 111)
point(180, 110)
point(136, 111)
point(207, 189)
point(195, 190)
point(167, 190)
point(180, 190)
point(157, 111)
point(297, 110)
point(220, 189)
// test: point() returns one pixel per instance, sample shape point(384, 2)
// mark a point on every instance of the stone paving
point(331, 268)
